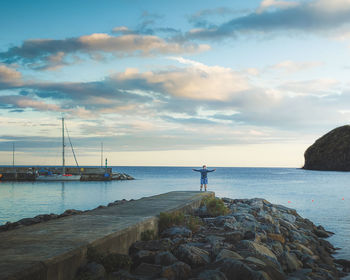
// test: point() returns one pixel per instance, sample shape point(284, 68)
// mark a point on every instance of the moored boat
point(49, 176)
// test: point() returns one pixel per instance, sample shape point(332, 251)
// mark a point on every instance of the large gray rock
point(176, 271)
point(92, 271)
point(143, 256)
point(177, 232)
point(148, 270)
point(192, 255)
point(165, 258)
point(290, 262)
point(247, 248)
point(254, 249)
point(152, 245)
point(237, 270)
point(228, 254)
point(29, 221)
point(220, 220)
point(330, 152)
point(234, 237)
point(211, 275)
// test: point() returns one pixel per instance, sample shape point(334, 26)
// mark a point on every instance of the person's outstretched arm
point(196, 170)
point(212, 170)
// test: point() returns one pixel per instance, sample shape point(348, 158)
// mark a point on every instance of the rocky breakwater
point(330, 152)
point(247, 239)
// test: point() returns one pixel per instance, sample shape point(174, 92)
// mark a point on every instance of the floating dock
point(54, 250)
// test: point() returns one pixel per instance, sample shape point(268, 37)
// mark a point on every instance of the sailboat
point(63, 176)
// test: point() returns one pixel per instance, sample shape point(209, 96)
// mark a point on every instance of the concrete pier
point(54, 250)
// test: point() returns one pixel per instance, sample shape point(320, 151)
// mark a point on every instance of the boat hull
point(58, 178)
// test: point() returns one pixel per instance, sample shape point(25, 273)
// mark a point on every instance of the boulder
point(165, 258)
point(122, 275)
point(247, 248)
point(290, 262)
point(276, 248)
point(249, 235)
point(216, 243)
point(289, 217)
point(273, 273)
point(29, 221)
point(224, 254)
point(177, 231)
point(254, 248)
point(304, 249)
point(176, 271)
point(322, 233)
point(148, 270)
point(276, 237)
point(114, 262)
point(330, 152)
point(143, 256)
point(237, 270)
point(344, 263)
point(92, 271)
point(192, 255)
point(255, 261)
point(152, 245)
point(211, 275)
point(234, 237)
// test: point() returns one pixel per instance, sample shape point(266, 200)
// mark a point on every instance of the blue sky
point(227, 83)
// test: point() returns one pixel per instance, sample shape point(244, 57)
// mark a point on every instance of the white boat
point(63, 176)
point(58, 177)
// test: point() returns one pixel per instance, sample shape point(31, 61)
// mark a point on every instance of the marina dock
point(55, 249)
point(87, 173)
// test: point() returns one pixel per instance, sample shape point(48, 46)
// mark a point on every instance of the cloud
point(185, 100)
point(325, 86)
point(196, 81)
point(289, 66)
point(307, 16)
point(50, 53)
point(266, 4)
point(16, 101)
point(122, 30)
point(9, 77)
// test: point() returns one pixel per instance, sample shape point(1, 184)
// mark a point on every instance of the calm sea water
point(323, 197)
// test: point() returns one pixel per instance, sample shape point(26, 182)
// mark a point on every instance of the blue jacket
point(203, 172)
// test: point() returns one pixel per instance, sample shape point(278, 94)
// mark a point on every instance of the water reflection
point(62, 195)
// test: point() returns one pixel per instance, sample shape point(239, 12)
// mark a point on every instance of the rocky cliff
point(330, 152)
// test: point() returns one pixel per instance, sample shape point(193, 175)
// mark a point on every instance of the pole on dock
point(13, 161)
point(106, 166)
point(13, 154)
point(63, 161)
point(101, 154)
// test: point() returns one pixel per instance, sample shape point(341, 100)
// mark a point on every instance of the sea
point(323, 197)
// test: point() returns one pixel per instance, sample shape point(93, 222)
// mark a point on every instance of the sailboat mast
point(63, 162)
point(101, 154)
point(13, 154)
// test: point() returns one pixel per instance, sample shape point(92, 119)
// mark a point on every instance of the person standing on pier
point(204, 177)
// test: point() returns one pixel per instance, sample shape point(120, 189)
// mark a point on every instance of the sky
point(174, 83)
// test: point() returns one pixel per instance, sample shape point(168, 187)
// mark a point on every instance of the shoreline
point(260, 235)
